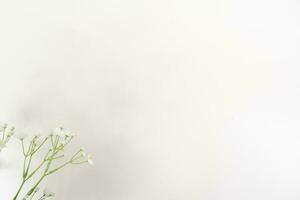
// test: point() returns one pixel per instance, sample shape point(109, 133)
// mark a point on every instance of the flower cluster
point(6, 132)
point(50, 151)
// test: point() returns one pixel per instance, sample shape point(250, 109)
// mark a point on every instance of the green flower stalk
point(53, 159)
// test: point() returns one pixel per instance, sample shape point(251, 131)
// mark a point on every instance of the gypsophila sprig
point(53, 159)
point(6, 132)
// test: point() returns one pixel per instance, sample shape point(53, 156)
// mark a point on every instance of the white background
point(174, 99)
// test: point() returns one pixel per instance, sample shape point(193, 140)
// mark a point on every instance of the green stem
point(28, 166)
point(23, 148)
point(24, 167)
point(32, 173)
point(35, 191)
point(19, 190)
point(35, 186)
point(40, 145)
point(58, 168)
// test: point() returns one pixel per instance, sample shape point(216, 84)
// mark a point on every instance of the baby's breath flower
point(58, 131)
point(21, 136)
point(89, 160)
point(62, 132)
point(56, 144)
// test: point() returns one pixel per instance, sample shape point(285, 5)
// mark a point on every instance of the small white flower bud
point(90, 161)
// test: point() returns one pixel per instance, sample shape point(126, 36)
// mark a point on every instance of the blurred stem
point(19, 190)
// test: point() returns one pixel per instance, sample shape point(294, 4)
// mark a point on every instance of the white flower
point(57, 131)
point(21, 136)
point(89, 160)
point(62, 132)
